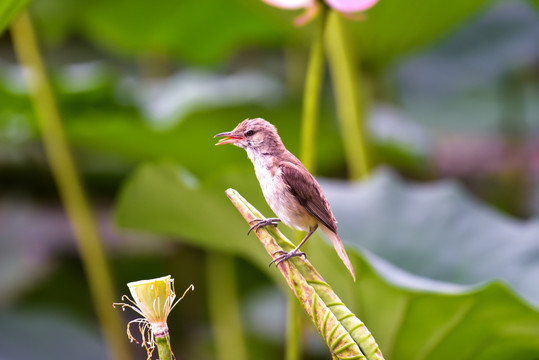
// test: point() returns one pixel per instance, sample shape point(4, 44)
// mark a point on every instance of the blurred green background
point(444, 233)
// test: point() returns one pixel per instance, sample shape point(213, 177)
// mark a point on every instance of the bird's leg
point(258, 223)
point(287, 255)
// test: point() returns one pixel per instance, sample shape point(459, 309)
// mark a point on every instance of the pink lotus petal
point(350, 6)
point(290, 4)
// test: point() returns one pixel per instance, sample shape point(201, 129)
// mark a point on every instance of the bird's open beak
point(229, 139)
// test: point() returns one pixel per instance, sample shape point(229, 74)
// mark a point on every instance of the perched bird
point(290, 190)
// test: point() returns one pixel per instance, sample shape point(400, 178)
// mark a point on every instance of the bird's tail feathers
point(339, 247)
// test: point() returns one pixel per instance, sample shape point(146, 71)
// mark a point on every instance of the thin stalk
point(294, 329)
point(69, 185)
point(311, 95)
point(163, 347)
point(310, 114)
point(224, 310)
point(348, 96)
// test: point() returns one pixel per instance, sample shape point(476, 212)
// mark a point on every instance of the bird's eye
point(249, 133)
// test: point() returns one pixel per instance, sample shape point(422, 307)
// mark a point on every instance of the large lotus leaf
point(8, 10)
point(431, 322)
point(181, 205)
point(394, 27)
point(191, 30)
point(124, 134)
point(191, 143)
point(448, 86)
point(438, 231)
point(411, 316)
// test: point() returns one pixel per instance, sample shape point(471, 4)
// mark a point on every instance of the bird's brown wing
point(308, 193)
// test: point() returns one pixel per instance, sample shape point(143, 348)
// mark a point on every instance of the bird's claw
point(258, 223)
point(286, 255)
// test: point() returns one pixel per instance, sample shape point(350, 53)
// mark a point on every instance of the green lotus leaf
point(8, 10)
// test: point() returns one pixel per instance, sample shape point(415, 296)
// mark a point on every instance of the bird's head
point(252, 134)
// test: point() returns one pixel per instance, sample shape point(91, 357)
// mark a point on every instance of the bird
point(290, 190)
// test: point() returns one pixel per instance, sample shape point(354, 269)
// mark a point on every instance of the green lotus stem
point(223, 305)
point(346, 336)
point(311, 94)
point(69, 185)
point(350, 102)
point(163, 347)
point(294, 329)
point(310, 114)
